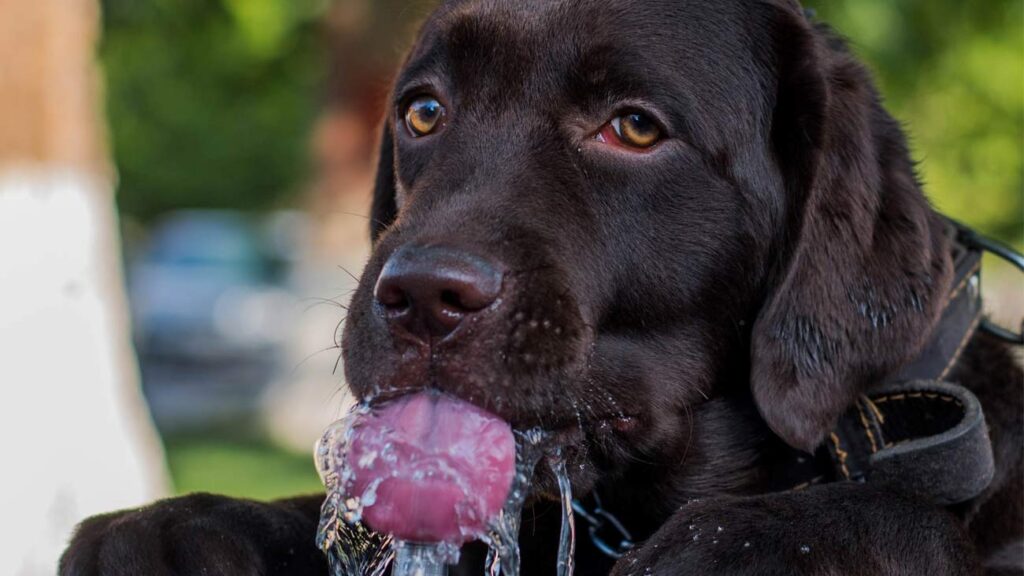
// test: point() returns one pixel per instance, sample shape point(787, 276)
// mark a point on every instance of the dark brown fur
point(677, 316)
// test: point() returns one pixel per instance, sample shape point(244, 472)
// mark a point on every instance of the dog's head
point(593, 216)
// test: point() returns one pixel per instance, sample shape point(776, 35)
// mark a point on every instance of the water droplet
point(367, 460)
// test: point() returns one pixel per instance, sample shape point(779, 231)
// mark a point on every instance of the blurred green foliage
point(953, 73)
point(240, 467)
point(211, 101)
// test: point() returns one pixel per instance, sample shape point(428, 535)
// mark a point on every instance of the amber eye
point(632, 130)
point(424, 116)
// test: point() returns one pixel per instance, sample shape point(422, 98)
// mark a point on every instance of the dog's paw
point(698, 541)
point(198, 534)
point(845, 529)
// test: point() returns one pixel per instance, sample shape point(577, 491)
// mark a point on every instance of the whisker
point(344, 390)
point(337, 333)
point(347, 271)
point(337, 362)
point(317, 301)
point(308, 358)
point(364, 216)
point(689, 435)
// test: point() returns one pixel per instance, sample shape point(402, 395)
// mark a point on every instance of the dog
point(686, 238)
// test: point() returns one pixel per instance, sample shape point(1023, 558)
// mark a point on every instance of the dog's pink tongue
point(442, 468)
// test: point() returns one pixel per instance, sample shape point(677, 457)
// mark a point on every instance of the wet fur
point(731, 293)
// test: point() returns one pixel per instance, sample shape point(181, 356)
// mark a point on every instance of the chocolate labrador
point(685, 237)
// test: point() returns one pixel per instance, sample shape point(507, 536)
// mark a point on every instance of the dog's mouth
point(431, 467)
point(562, 430)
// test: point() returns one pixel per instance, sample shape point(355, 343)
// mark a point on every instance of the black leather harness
point(915, 432)
point(918, 432)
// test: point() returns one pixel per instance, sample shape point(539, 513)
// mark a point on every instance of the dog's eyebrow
point(422, 69)
point(607, 72)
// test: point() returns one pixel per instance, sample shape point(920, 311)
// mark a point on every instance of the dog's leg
point(200, 534)
point(830, 530)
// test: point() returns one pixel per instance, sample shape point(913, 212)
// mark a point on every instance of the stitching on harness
point(930, 395)
point(842, 455)
point(878, 413)
point(910, 395)
point(960, 348)
point(963, 283)
point(867, 428)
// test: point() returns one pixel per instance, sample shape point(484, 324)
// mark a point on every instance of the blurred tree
point(211, 101)
point(953, 73)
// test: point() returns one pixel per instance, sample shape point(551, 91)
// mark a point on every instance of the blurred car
point(209, 315)
point(202, 289)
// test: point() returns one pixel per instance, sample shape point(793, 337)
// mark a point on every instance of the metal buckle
point(601, 519)
point(976, 241)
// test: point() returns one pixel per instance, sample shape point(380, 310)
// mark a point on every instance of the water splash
point(354, 550)
point(503, 539)
point(350, 547)
point(416, 559)
point(567, 537)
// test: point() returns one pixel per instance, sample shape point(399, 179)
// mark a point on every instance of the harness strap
point(961, 316)
point(923, 437)
point(917, 432)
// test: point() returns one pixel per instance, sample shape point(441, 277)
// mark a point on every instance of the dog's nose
point(430, 290)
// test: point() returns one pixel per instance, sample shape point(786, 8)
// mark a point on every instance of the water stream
point(567, 537)
point(503, 538)
point(354, 550)
point(416, 559)
point(350, 547)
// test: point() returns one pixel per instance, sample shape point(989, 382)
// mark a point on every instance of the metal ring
point(972, 239)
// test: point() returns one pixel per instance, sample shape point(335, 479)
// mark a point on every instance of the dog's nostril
point(392, 297)
point(452, 300)
point(397, 305)
point(431, 289)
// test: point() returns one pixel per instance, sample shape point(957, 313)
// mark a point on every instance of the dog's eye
point(424, 116)
point(632, 130)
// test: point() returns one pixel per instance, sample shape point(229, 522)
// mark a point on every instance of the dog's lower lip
point(620, 423)
point(563, 429)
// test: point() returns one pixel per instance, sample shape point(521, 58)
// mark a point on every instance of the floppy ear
point(384, 208)
point(863, 264)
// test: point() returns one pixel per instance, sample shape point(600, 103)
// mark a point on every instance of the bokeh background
point(239, 138)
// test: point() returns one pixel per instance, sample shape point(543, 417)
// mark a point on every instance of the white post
point(75, 434)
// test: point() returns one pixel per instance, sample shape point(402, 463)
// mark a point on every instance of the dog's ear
point(862, 261)
point(385, 207)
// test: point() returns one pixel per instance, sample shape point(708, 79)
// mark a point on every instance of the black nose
point(430, 290)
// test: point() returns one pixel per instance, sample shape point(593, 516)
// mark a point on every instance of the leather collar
point(917, 432)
